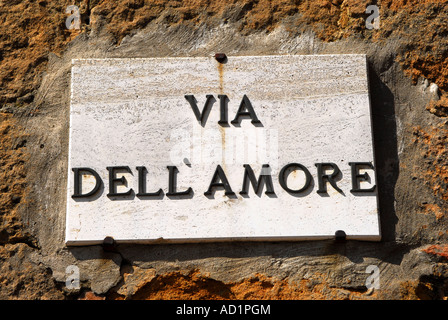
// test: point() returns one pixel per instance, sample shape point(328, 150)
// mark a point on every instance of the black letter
point(223, 99)
point(218, 176)
point(257, 185)
point(201, 117)
point(245, 105)
point(172, 183)
point(142, 185)
point(113, 180)
point(282, 180)
point(77, 189)
point(321, 176)
point(356, 176)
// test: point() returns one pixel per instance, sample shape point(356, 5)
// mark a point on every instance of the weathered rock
point(410, 149)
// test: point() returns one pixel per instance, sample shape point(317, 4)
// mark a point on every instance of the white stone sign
point(193, 149)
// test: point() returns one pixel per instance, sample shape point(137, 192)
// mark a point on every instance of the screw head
point(108, 244)
point(221, 57)
point(340, 235)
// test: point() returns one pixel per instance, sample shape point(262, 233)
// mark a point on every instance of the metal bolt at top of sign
point(221, 57)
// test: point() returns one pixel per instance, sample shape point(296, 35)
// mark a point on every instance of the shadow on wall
point(386, 155)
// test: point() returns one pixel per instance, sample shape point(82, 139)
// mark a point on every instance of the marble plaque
point(191, 149)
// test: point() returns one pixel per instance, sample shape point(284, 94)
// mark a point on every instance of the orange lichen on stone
point(12, 179)
point(439, 107)
point(29, 30)
point(421, 290)
point(352, 13)
point(438, 250)
point(420, 25)
point(192, 285)
point(252, 15)
point(178, 286)
point(407, 290)
point(433, 143)
point(434, 209)
point(89, 295)
point(427, 52)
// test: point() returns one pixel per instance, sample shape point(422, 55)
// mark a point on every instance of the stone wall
point(407, 59)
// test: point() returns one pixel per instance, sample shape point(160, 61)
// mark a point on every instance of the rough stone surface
point(405, 57)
